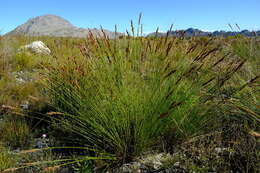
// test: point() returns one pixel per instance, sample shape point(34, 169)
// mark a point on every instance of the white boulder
point(37, 47)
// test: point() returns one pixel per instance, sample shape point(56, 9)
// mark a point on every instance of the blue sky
point(207, 15)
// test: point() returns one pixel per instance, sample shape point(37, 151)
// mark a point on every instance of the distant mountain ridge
point(52, 25)
point(196, 32)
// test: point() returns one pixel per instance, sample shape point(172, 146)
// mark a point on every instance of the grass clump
point(7, 160)
point(122, 96)
point(15, 133)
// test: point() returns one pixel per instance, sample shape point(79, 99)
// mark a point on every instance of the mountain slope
point(52, 25)
point(196, 32)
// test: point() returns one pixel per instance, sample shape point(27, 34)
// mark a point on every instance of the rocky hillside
point(51, 25)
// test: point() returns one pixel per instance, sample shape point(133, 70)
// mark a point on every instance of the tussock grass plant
point(120, 96)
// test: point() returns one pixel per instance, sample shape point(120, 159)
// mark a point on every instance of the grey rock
point(220, 150)
point(41, 142)
point(22, 77)
point(177, 164)
point(126, 169)
point(25, 105)
point(151, 163)
point(36, 47)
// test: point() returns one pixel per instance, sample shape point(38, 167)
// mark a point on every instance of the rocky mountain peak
point(52, 25)
point(50, 20)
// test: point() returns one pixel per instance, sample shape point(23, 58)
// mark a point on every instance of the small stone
point(126, 168)
point(42, 142)
point(177, 164)
point(143, 168)
point(39, 143)
point(25, 105)
point(17, 150)
point(218, 149)
point(22, 77)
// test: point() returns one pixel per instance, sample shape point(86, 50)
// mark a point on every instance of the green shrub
point(24, 60)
